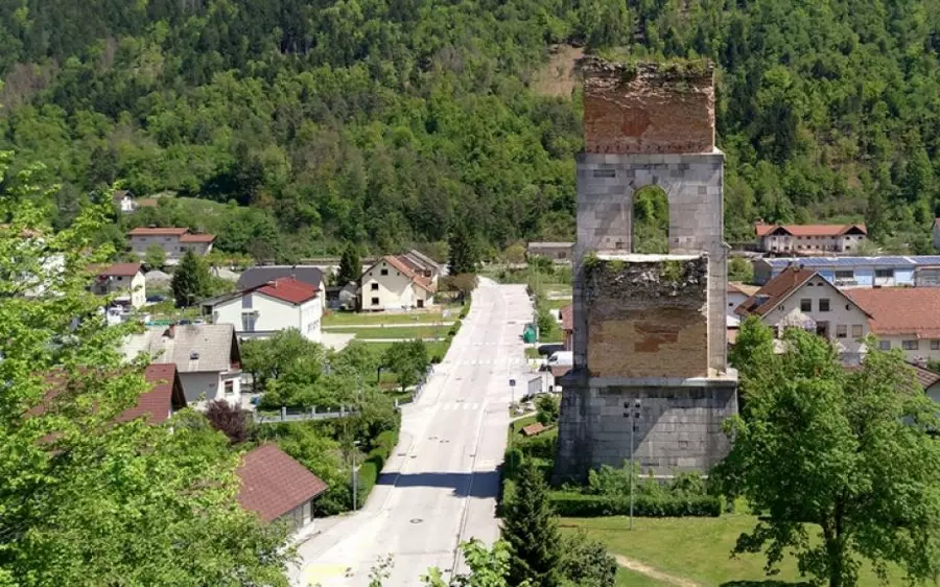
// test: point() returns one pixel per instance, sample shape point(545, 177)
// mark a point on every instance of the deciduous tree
point(155, 257)
point(840, 465)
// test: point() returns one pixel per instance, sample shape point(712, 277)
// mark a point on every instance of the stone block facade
point(678, 429)
point(648, 327)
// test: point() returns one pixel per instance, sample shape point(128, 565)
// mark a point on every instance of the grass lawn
point(697, 549)
point(346, 318)
point(396, 332)
point(434, 348)
point(628, 578)
point(532, 352)
point(555, 335)
point(558, 304)
point(516, 426)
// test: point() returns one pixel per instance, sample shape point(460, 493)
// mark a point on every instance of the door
point(420, 303)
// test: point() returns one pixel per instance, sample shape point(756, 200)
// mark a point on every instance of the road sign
point(512, 383)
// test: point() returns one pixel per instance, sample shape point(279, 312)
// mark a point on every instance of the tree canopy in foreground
point(842, 466)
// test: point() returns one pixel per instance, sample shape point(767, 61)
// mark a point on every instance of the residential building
point(164, 398)
point(175, 242)
point(856, 271)
point(256, 276)
point(276, 487)
point(906, 318)
point(559, 252)
point(207, 357)
point(271, 307)
point(124, 200)
point(801, 297)
point(737, 294)
point(809, 239)
point(125, 281)
point(422, 265)
point(928, 380)
point(392, 284)
point(567, 325)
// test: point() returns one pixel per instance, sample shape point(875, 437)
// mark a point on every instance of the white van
point(561, 359)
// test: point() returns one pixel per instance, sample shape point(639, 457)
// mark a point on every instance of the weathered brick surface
point(647, 318)
point(646, 108)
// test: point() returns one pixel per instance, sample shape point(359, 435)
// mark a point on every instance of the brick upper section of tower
point(648, 108)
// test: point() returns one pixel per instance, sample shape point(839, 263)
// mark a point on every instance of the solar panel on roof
point(927, 260)
point(886, 261)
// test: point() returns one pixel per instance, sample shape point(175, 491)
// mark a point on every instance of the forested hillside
point(383, 122)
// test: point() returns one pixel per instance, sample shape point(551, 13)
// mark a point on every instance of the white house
point(126, 280)
point(737, 294)
point(810, 239)
point(392, 284)
point(175, 242)
point(207, 357)
point(265, 309)
point(423, 265)
point(311, 275)
point(906, 318)
point(124, 200)
point(800, 297)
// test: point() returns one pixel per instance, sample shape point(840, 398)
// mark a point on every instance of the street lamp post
point(355, 477)
point(633, 413)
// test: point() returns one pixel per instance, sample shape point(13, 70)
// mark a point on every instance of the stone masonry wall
point(645, 108)
point(646, 318)
point(679, 428)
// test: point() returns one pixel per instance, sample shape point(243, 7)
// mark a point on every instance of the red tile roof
point(533, 429)
point(165, 397)
point(121, 269)
point(775, 291)
point(925, 377)
point(406, 270)
point(288, 289)
point(741, 288)
point(913, 311)
point(143, 231)
point(272, 483)
point(809, 229)
point(567, 317)
point(197, 238)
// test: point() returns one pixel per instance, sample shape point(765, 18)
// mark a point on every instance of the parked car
point(156, 299)
point(561, 359)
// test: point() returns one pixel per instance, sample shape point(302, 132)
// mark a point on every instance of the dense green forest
point(383, 123)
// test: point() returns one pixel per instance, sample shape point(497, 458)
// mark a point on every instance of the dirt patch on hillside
point(557, 77)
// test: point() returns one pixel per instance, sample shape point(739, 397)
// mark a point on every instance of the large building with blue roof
point(859, 271)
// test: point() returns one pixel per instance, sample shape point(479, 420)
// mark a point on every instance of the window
point(246, 302)
point(824, 305)
point(884, 345)
point(248, 322)
point(384, 271)
point(845, 274)
point(229, 387)
point(935, 345)
point(910, 345)
point(842, 331)
point(120, 278)
point(806, 305)
point(375, 287)
point(857, 331)
point(375, 301)
point(884, 273)
point(605, 173)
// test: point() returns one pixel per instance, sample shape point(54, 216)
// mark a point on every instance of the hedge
point(371, 468)
point(578, 505)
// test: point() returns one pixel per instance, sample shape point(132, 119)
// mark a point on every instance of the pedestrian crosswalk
point(461, 406)
point(498, 361)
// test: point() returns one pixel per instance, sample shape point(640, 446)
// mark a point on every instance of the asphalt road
point(439, 488)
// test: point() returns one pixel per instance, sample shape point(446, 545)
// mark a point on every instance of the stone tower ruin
point(648, 327)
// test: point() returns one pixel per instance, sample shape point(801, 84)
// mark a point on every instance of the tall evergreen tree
point(350, 266)
point(190, 281)
point(463, 252)
point(529, 528)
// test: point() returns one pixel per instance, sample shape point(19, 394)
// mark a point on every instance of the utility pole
point(355, 478)
point(632, 412)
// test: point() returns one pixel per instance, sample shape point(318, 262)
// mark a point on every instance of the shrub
point(577, 505)
point(539, 447)
point(436, 359)
point(371, 468)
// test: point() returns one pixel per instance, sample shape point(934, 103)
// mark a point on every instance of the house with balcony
point(175, 242)
point(262, 310)
point(392, 284)
point(207, 358)
point(800, 297)
point(124, 281)
point(810, 239)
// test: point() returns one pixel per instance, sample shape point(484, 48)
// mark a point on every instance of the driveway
point(440, 487)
